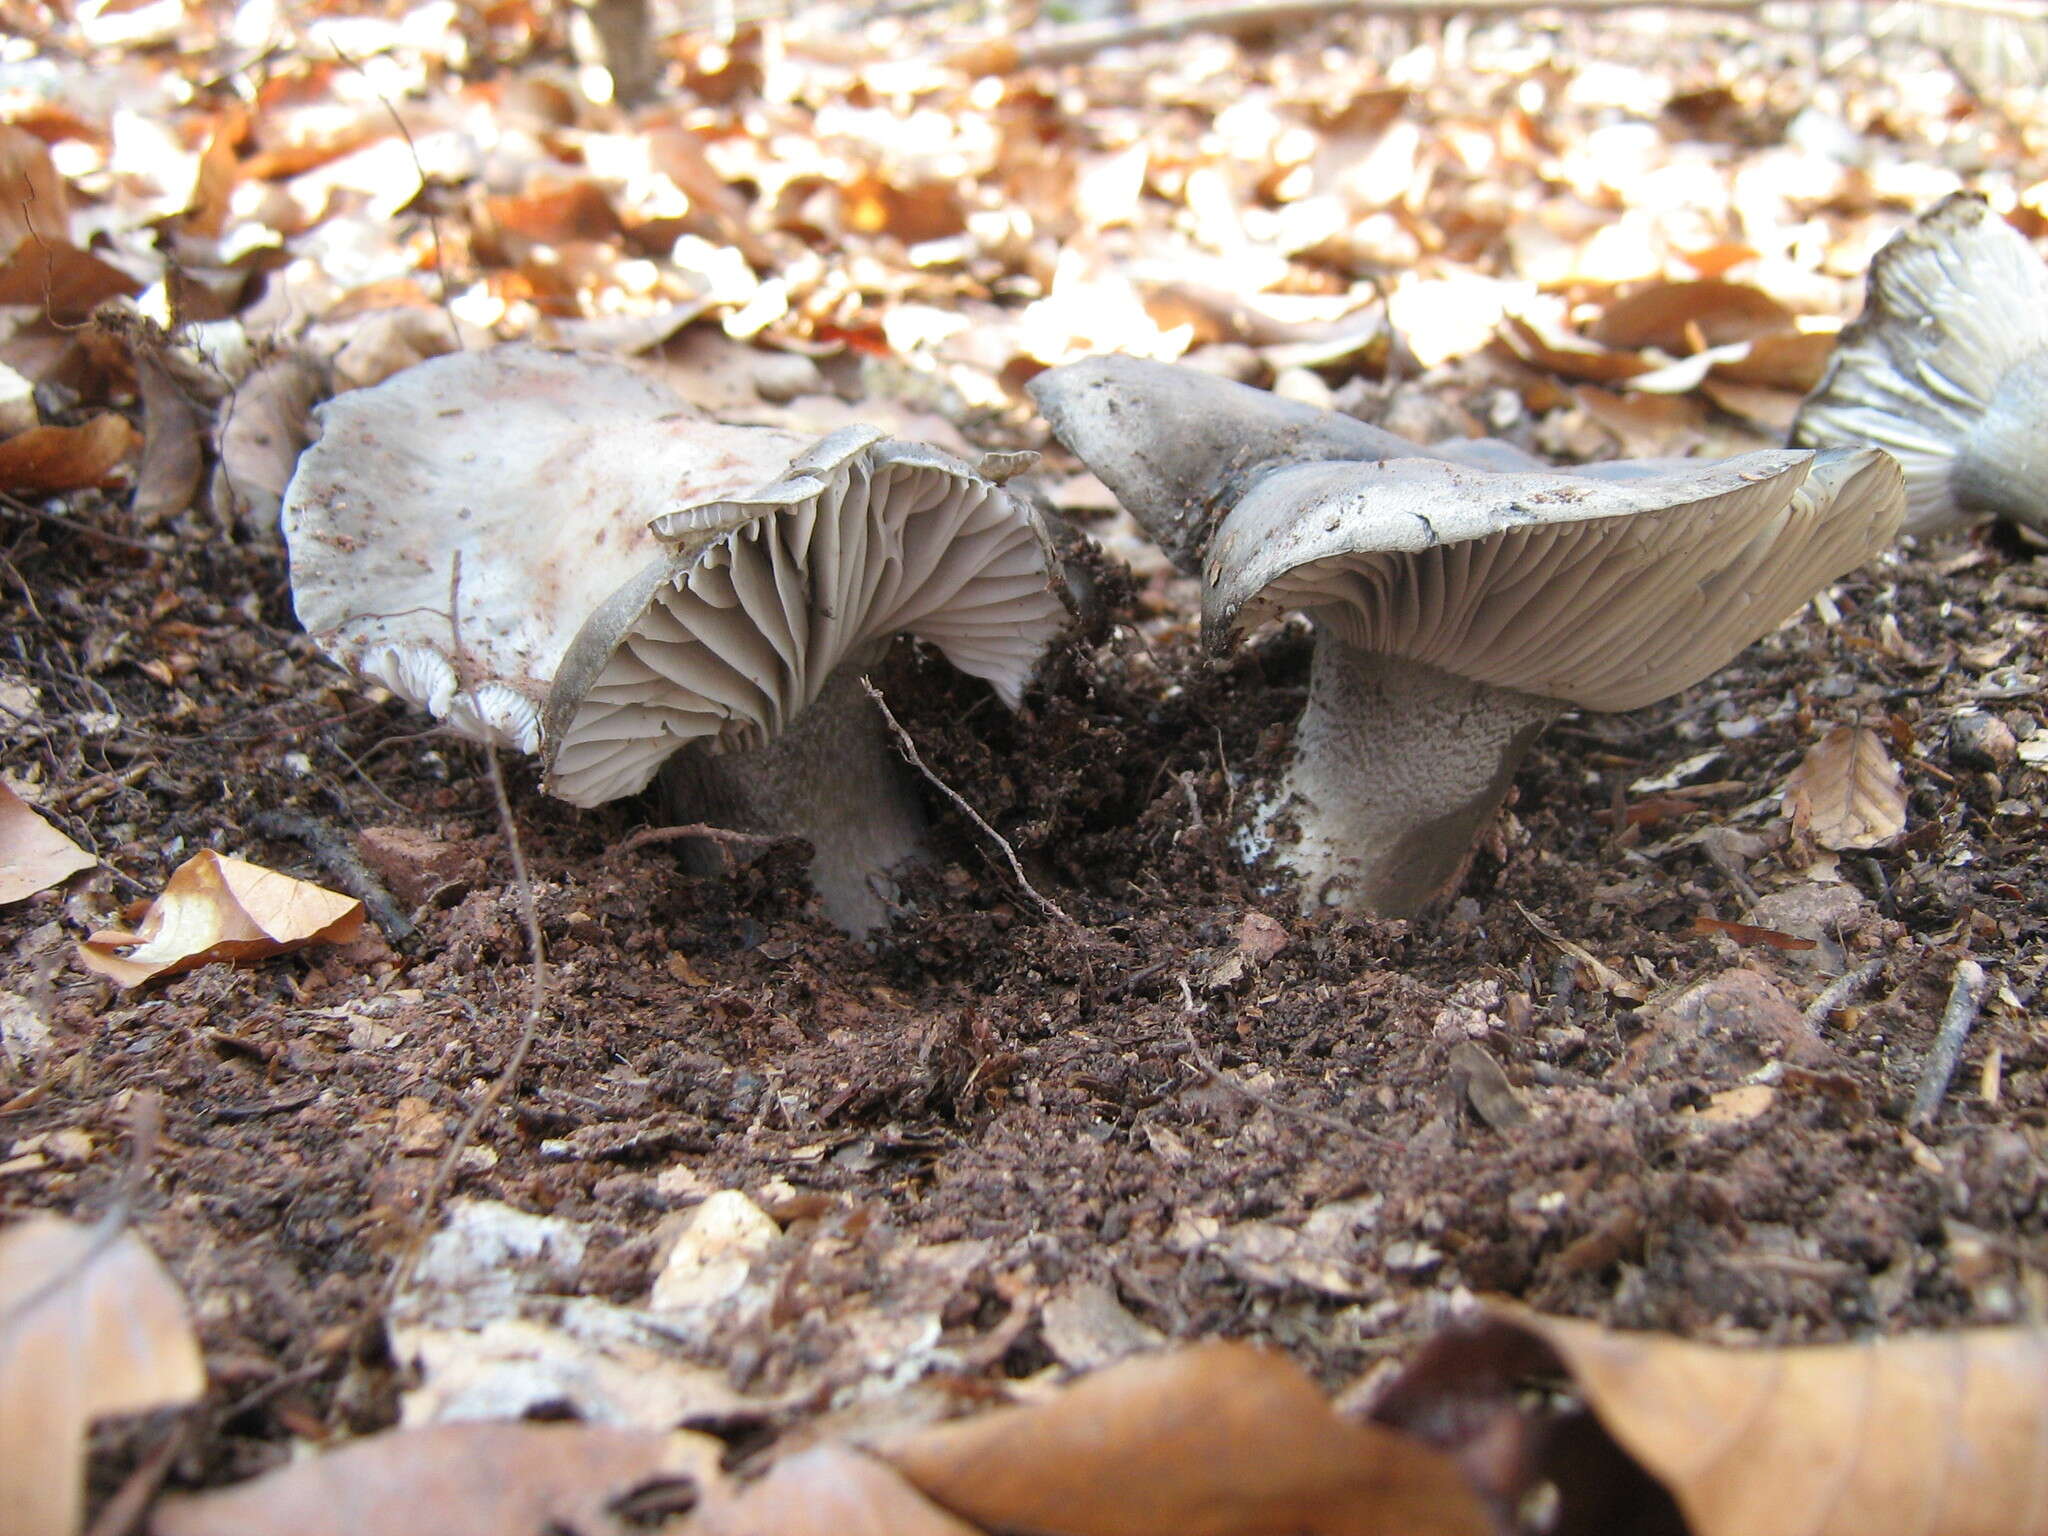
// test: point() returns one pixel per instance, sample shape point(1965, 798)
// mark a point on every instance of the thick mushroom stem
point(2002, 466)
point(832, 778)
point(1397, 766)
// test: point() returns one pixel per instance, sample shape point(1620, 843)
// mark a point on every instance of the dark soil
point(1129, 1096)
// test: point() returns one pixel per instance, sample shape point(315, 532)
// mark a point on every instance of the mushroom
point(1457, 608)
point(639, 586)
point(1947, 368)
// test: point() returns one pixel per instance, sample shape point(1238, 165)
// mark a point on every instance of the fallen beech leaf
point(33, 854)
point(1847, 792)
point(33, 198)
point(1660, 315)
point(828, 1491)
point(1927, 1436)
point(1572, 356)
point(217, 908)
point(172, 461)
point(46, 459)
point(460, 1480)
point(262, 428)
point(89, 1325)
point(1646, 425)
point(61, 280)
point(1216, 1440)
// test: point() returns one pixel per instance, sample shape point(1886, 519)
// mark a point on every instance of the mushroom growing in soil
point(1457, 607)
point(1947, 369)
point(641, 587)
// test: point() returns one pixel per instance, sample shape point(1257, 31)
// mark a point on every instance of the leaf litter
point(984, 1153)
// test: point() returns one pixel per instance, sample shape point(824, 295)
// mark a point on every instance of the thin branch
point(909, 749)
point(341, 863)
point(1071, 45)
point(1965, 997)
point(1842, 991)
point(726, 838)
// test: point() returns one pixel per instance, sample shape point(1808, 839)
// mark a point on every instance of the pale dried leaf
point(218, 908)
point(89, 1325)
point(33, 854)
point(263, 428)
point(454, 1480)
point(46, 459)
point(1847, 792)
point(1217, 1440)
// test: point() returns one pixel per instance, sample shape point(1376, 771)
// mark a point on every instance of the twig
point(1222, 1079)
point(1070, 45)
point(1965, 997)
point(332, 852)
point(909, 749)
point(1842, 991)
point(727, 838)
point(536, 992)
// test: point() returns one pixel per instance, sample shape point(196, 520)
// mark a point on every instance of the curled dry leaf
point(462, 1480)
point(89, 1325)
point(1931, 1436)
point(45, 459)
point(828, 1491)
point(33, 854)
point(217, 908)
point(172, 458)
point(1847, 792)
point(262, 429)
point(1216, 1440)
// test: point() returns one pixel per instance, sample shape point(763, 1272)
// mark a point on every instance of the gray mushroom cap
point(1178, 447)
point(1605, 593)
point(1947, 369)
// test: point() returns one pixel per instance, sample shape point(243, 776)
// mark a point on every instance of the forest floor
point(992, 1143)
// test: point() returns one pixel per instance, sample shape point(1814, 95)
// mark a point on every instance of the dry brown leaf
point(172, 459)
point(33, 854)
point(90, 1324)
point(1675, 317)
point(1216, 1440)
point(1847, 792)
point(1929, 1436)
point(1572, 356)
point(33, 198)
point(1772, 410)
point(460, 1480)
point(61, 280)
point(1647, 426)
point(828, 1491)
point(217, 908)
point(45, 459)
point(1784, 360)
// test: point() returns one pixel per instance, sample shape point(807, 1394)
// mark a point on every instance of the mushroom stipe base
point(833, 778)
point(1397, 766)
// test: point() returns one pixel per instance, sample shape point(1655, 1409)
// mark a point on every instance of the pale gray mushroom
point(1947, 369)
point(1457, 609)
point(638, 584)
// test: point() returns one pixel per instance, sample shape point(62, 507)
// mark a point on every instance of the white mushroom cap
point(634, 577)
point(764, 595)
point(542, 471)
point(1947, 369)
point(1604, 593)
